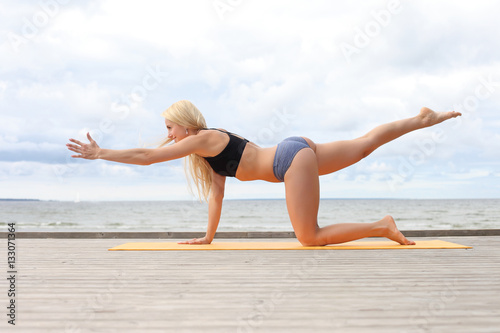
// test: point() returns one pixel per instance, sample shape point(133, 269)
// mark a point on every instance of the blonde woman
point(215, 154)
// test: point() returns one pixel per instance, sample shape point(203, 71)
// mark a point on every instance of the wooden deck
point(77, 285)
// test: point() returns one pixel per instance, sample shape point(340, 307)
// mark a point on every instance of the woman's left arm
point(214, 210)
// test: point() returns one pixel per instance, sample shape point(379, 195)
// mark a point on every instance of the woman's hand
point(197, 241)
point(89, 151)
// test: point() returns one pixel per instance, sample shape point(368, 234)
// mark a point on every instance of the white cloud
point(471, 174)
point(84, 70)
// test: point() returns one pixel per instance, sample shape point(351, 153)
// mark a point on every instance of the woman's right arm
point(92, 151)
point(140, 156)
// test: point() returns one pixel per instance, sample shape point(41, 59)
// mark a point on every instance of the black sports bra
point(227, 162)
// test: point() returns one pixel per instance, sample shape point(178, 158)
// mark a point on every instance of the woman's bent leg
point(302, 195)
point(334, 156)
point(302, 200)
point(345, 232)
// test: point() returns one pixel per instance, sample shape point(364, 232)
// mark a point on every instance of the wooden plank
point(76, 285)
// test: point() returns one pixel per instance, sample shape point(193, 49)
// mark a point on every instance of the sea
point(243, 215)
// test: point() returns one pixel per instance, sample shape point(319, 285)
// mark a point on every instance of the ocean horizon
point(243, 215)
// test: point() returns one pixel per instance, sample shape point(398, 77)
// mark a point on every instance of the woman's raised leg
point(334, 156)
point(302, 200)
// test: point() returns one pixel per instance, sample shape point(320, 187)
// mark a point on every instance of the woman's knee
point(309, 239)
point(308, 236)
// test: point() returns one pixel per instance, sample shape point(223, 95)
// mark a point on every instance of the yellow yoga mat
point(356, 245)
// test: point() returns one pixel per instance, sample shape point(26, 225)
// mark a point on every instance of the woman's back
point(253, 162)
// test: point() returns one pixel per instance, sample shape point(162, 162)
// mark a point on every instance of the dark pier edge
point(225, 235)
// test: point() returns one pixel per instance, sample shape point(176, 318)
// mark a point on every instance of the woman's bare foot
point(430, 117)
point(388, 229)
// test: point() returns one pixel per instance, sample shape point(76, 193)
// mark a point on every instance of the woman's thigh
point(337, 155)
point(302, 195)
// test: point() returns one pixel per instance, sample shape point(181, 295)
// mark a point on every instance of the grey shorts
point(285, 153)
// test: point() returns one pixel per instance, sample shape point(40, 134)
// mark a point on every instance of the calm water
point(244, 215)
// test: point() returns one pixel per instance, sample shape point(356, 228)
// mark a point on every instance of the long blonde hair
point(185, 114)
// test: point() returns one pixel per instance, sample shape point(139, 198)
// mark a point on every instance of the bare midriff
point(256, 164)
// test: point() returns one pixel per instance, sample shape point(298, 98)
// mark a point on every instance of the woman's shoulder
point(215, 133)
point(213, 141)
point(213, 130)
point(212, 135)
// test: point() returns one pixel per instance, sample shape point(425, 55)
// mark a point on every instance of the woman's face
point(175, 131)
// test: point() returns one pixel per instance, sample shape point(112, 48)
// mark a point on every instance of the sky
point(327, 70)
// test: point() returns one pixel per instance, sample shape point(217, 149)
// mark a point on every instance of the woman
point(215, 154)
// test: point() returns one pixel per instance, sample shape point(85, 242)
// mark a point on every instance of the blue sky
point(264, 69)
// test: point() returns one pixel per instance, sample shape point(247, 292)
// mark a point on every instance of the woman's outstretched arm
point(139, 156)
point(214, 210)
